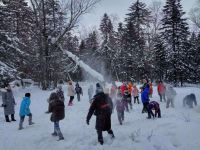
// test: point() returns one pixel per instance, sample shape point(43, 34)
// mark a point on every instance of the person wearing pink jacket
point(135, 94)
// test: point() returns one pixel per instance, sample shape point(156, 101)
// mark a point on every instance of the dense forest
point(157, 42)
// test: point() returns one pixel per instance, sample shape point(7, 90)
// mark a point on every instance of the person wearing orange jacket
point(161, 91)
point(150, 89)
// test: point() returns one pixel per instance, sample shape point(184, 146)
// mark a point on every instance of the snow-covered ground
point(178, 129)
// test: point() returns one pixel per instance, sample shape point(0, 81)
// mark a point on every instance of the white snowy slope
point(178, 129)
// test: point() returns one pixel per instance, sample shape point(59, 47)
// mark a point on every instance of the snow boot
point(30, 120)
point(21, 125)
point(60, 136)
point(13, 117)
point(54, 134)
point(7, 118)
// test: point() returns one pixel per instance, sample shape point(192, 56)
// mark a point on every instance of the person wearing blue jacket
point(25, 110)
point(145, 98)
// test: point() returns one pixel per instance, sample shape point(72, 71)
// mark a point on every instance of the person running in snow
point(161, 91)
point(120, 107)
point(8, 103)
point(153, 105)
point(189, 100)
point(60, 93)
point(79, 91)
point(127, 99)
point(135, 94)
point(170, 94)
point(57, 108)
point(102, 109)
point(145, 96)
point(70, 93)
point(25, 111)
point(90, 93)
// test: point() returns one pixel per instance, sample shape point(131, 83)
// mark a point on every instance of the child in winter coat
point(25, 110)
point(70, 93)
point(161, 91)
point(189, 100)
point(79, 91)
point(120, 107)
point(170, 94)
point(57, 108)
point(145, 98)
point(135, 94)
point(153, 105)
point(127, 99)
point(150, 89)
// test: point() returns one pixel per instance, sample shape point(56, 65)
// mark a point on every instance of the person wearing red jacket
point(123, 88)
point(161, 91)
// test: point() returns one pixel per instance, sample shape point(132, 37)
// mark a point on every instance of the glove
point(87, 121)
point(4, 105)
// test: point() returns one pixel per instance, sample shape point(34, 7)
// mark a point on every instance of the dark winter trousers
point(100, 136)
point(130, 103)
point(78, 97)
point(12, 118)
point(22, 120)
point(126, 105)
point(120, 115)
point(162, 96)
point(145, 107)
point(170, 100)
point(157, 113)
point(57, 130)
point(71, 99)
point(136, 98)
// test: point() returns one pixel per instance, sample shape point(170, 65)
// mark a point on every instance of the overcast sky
point(119, 8)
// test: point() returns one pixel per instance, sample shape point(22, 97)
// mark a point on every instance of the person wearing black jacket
point(102, 108)
point(57, 108)
point(189, 100)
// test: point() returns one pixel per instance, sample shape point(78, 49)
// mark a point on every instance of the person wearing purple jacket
point(120, 107)
point(153, 105)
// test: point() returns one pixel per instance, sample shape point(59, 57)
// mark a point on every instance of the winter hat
point(28, 95)
point(98, 85)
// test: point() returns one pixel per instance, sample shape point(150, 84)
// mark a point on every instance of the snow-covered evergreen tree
point(174, 34)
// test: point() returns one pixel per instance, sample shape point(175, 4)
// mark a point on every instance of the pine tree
point(159, 59)
point(139, 18)
point(174, 33)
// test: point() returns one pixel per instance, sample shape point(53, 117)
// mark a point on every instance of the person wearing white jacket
point(170, 94)
point(70, 93)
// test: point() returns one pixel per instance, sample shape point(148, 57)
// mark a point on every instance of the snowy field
point(178, 129)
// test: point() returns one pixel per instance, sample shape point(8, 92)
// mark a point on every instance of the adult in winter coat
point(79, 91)
point(135, 94)
point(145, 98)
point(120, 107)
point(57, 108)
point(90, 93)
point(161, 91)
point(70, 93)
point(170, 94)
point(102, 109)
point(8, 103)
point(25, 110)
point(153, 105)
point(189, 100)
point(60, 93)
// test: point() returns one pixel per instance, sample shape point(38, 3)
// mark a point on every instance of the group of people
point(102, 103)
